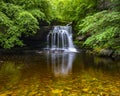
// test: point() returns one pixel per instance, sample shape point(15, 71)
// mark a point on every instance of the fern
point(103, 26)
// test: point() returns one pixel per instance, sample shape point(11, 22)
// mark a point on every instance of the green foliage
point(99, 21)
point(25, 25)
point(103, 28)
point(115, 5)
point(40, 7)
point(21, 17)
point(72, 10)
point(37, 14)
point(4, 20)
point(11, 10)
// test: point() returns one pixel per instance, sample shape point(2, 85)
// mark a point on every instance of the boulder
point(106, 52)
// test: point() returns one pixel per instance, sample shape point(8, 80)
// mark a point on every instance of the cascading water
point(60, 38)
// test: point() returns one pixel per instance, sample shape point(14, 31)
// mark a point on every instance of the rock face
point(106, 52)
point(109, 53)
point(81, 38)
point(39, 39)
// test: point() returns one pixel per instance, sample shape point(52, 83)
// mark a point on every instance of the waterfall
point(60, 38)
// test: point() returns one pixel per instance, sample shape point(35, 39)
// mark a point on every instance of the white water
point(60, 38)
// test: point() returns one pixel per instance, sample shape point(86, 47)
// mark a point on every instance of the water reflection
point(9, 74)
point(41, 74)
point(61, 62)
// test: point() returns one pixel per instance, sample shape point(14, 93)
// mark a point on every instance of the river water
point(58, 74)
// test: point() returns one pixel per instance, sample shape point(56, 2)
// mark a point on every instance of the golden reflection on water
point(64, 74)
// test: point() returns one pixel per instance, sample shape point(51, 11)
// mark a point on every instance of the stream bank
point(38, 41)
point(101, 52)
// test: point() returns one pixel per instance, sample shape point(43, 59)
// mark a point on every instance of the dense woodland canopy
point(21, 17)
point(98, 21)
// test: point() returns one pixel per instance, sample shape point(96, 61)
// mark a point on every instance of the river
point(58, 74)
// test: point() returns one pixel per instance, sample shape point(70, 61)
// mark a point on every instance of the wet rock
point(81, 38)
point(106, 52)
point(6, 94)
point(56, 91)
point(68, 88)
point(32, 93)
point(94, 79)
point(86, 90)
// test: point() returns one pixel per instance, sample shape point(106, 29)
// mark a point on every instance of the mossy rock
point(116, 54)
point(106, 52)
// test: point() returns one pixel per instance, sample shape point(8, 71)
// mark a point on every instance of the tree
point(21, 17)
point(103, 29)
